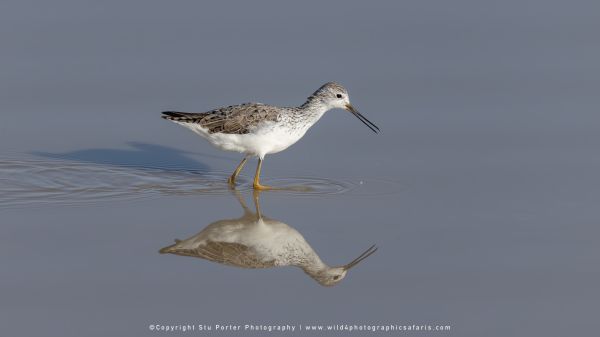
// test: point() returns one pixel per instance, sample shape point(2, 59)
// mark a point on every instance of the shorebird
point(256, 241)
point(257, 129)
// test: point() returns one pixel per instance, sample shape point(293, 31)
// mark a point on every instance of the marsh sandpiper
point(257, 241)
point(257, 129)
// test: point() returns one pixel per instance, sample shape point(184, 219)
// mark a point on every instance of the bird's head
point(334, 96)
point(331, 276)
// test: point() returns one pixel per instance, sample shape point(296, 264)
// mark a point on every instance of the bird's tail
point(170, 249)
point(178, 116)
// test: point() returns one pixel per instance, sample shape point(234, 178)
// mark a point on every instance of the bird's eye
point(338, 95)
point(336, 277)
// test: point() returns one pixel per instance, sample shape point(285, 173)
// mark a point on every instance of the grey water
point(481, 191)
point(27, 183)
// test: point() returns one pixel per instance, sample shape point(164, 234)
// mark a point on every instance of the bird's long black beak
point(361, 257)
point(362, 118)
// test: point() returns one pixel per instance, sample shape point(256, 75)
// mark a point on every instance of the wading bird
point(256, 241)
point(257, 129)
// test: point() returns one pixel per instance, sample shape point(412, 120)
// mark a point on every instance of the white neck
point(311, 111)
point(313, 265)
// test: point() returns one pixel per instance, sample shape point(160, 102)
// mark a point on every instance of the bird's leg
point(231, 179)
point(240, 199)
point(256, 197)
point(257, 185)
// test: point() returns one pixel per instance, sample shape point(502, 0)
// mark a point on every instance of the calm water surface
point(481, 191)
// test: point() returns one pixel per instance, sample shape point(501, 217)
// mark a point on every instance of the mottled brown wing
point(234, 119)
point(232, 254)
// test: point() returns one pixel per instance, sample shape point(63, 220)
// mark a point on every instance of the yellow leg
point(257, 185)
point(231, 179)
point(256, 197)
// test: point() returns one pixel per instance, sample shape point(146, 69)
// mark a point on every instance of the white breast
point(269, 138)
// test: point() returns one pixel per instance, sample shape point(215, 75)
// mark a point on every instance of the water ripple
point(24, 182)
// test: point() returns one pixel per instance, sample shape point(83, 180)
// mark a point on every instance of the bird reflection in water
point(256, 241)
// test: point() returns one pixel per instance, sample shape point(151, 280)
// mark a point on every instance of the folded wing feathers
point(235, 119)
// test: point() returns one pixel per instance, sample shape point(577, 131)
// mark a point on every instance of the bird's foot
point(259, 187)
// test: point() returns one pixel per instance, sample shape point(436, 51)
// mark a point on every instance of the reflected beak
point(362, 118)
point(362, 256)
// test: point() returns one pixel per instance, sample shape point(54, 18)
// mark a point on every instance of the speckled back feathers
point(233, 119)
point(243, 118)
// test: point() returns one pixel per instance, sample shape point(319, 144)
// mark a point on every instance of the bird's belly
point(259, 143)
point(270, 138)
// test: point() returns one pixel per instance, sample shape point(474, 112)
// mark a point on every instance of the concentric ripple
point(24, 182)
point(306, 186)
point(32, 181)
